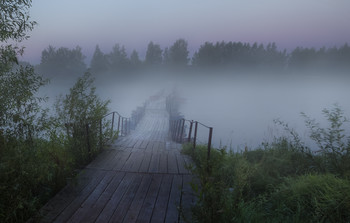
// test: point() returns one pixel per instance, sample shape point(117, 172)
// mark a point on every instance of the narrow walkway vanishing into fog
point(141, 178)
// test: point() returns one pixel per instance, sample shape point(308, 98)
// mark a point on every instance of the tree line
point(65, 61)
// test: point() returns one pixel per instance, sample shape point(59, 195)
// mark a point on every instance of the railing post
point(209, 141)
point(195, 134)
point(172, 123)
point(118, 123)
point(190, 131)
point(178, 130)
point(182, 130)
point(112, 123)
point(209, 147)
point(127, 125)
point(122, 126)
point(175, 132)
point(176, 127)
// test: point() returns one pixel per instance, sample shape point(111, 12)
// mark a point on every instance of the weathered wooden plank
point(145, 162)
point(96, 209)
point(162, 145)
point(125, 203)
point(76, 203)
point(163, 162)
point(172, 213)
point(181, 164)
point(138, 143)
point(149, 202)
point(120, 160)
point(124, 141)
point(172, 163)
point(160, 207)
point(91, 200)
point(135, 207)
point(109, 209)
point(134, 162)
point(149, 146)
point(187, 199)
point(155, 148)
point(109, 163)
point(137, 162)
point(63, 198)
point(144, 144)
point(154, 164)
point(132, 143)
point(130, 161)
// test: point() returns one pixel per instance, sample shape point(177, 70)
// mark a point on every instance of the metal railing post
point(118, 123)
point(209, 147)
point(195, 134)
point(190, 131)
point(112, 123)
point(178, 130)
point(182, 130)
point(127, 125)
point(209, 141)
point(122, 126)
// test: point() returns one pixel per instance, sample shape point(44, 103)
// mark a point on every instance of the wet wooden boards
point(142, 177)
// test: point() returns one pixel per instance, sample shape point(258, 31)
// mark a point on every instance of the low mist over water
point(240, 106)
point(242, 109)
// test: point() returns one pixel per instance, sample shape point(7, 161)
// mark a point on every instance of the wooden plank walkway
point(140, 178)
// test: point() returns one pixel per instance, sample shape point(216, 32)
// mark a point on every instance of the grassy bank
point(282, 181)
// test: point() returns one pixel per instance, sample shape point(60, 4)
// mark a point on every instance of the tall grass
point(282, 181)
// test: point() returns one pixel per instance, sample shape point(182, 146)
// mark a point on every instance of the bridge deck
point(141, 178)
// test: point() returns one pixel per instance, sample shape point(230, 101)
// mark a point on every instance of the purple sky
point(289, 23)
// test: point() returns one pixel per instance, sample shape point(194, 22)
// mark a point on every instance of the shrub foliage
point(282, 181)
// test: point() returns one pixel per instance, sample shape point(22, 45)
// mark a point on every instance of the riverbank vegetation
point(39, 148)
point(282, 181)
point(38, 151)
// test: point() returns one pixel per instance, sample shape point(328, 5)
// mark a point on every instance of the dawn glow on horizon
point(312, 23)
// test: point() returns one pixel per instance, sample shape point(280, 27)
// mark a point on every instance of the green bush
point(37, 154)
point(79, 114)
point(305, 198)
point(333, 143)
point(282, 181)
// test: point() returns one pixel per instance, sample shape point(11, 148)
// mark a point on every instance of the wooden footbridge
point(141, 177)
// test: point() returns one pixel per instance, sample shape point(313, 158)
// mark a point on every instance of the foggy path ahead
point(140, 178)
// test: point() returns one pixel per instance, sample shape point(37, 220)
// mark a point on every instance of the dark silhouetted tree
point(118, 58)
point(99, 62)
point(153, 54)
point(134, 59)
point(344, 56)
point(273, 57)
point(166, 59)
point(62, 62)
point(178, 53)
point(237, 54)
point(207, 55)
